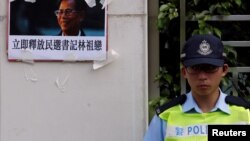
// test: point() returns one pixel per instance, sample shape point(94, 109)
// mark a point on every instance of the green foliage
point(169, 88)
point(167, 12)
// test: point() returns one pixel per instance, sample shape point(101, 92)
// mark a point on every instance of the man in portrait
point(70, 15)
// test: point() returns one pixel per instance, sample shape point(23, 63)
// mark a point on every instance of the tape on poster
point(26, 57)
point(92, 3)
point(112, 56)
point(105, 3)
point(32, 1)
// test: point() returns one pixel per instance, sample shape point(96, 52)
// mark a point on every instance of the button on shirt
point(157, 127)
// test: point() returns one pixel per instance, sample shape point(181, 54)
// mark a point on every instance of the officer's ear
point(225, 69)
point(183, 71)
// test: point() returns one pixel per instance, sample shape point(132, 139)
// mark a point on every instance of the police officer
point(187, 116)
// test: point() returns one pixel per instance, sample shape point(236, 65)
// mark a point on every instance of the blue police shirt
point(157, 127)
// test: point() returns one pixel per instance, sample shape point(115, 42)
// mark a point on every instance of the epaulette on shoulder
point(178, 100)
point(237, 101)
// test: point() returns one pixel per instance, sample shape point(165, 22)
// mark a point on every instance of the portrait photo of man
point(70, 15)
point(56, 18)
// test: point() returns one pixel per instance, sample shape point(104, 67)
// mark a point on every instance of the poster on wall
point(56, 30)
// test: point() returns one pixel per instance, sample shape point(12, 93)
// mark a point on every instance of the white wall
point(107, 104)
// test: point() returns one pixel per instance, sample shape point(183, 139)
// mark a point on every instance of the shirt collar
point(191, 106)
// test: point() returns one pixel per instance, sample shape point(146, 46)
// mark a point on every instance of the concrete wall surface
point(71, 101)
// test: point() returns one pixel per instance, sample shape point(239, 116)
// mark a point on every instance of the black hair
point(80, 5)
